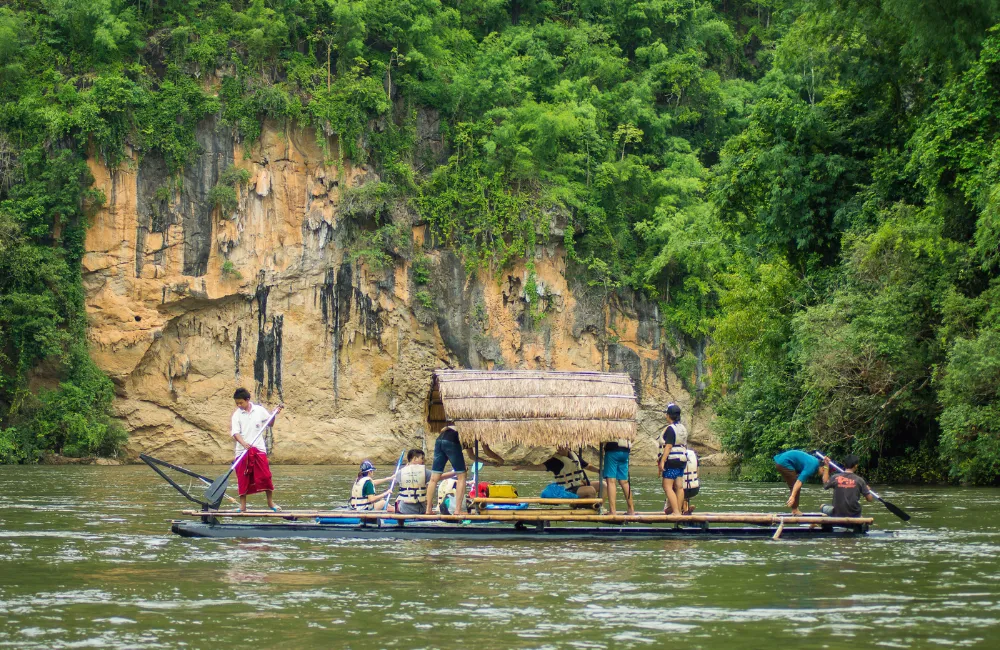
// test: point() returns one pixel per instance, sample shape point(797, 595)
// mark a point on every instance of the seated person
point(847, 489)
point(447, 494)
point(413, 482)
point(571, 480)
point(363, 495)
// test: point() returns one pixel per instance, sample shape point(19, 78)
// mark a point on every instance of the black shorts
point(448, 451)
point(690, 493)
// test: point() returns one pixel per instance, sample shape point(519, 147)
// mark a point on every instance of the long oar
point(215, 491)
point(392, 485)
point(894, 509)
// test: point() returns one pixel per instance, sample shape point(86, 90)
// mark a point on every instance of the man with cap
point(795, 467)
point(363, 495)
point(672, 460)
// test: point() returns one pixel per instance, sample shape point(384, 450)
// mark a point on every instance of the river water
point(87, 560)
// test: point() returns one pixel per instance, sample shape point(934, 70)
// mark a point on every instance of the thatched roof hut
point(533, 407)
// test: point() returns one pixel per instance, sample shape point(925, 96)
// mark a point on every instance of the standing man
point(570, 477)
point(795, 467)
point(616, 455)
point(253, 473)
point(848, 489)
point(448, 449)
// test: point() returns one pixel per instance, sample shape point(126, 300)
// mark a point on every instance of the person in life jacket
point(570, 476)
point(363, 496)
point(447, 497)
point(413, 481)
point(673, 458)
point(692, 485)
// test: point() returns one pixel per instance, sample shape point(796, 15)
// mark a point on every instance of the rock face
point(188, 301)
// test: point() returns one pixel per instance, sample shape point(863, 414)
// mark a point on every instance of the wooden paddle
point(218, 488)
point(894, 509)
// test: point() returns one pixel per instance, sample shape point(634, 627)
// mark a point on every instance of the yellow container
point(502, 491)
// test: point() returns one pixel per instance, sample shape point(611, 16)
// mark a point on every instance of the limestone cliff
point(187, 301)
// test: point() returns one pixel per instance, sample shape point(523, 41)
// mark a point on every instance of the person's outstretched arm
point(529, 468)
point(795, 493)
point(492, 454)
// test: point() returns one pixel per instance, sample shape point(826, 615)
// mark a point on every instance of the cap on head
point(367, 466)
point(673, 411)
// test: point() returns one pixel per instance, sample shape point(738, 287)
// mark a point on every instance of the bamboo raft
point(535, 408)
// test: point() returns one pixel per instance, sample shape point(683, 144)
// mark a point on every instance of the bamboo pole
point(529, 516)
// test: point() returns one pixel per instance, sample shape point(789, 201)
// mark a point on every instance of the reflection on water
point(86, 560)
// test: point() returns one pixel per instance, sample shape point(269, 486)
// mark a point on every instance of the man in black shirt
point(847, 488)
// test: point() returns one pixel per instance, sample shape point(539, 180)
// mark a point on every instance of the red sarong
point(253, 473)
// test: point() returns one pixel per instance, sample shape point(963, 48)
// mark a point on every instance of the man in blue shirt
point(795, 467)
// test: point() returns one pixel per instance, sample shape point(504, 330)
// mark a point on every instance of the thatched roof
point(534, 407)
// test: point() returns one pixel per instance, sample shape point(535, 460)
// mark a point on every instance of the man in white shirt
point(253, 473)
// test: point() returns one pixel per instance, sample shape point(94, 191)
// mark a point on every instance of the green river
point(87, 560)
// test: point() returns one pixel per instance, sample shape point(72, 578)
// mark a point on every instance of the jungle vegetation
point(811, 187)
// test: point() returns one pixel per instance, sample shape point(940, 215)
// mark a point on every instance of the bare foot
point(797, 513)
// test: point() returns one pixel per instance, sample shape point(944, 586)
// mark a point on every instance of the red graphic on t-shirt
point(845, 482)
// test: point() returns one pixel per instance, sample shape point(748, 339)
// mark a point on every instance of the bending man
point(449, 449)
point(253, 474)
point(795, 467)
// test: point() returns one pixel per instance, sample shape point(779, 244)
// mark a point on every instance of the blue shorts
point(616, 464)
point(673, 473)
point(448, 451)
point(556, 491)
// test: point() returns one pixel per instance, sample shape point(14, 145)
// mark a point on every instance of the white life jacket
point(413, 484)
point(691, 471)
point(358, 501)
point(571, 475)
point(447, 488)
point(678, 451)
point(624, 444)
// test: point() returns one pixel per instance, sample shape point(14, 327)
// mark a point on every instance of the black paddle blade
point(895, 510)
point(215, 491)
